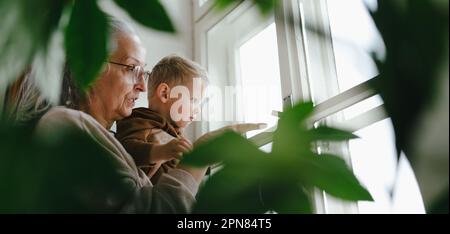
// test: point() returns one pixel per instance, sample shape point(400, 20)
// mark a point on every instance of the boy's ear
point(163, 92)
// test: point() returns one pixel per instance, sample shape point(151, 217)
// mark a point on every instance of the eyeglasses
point(139, 73)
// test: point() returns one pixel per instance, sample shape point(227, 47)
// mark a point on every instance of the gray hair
point(118, 28)
point(71, 95)
point(24, 102)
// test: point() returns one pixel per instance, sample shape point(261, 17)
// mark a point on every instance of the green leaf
point(292, 119)
point(50, 12)
point(291, 130)
point(231, 190)
point(324, 133)
point(265, 6)
point(70, 173)
point(331, 174)
point(244, 165)
point(23, 33)
point(86, 41)
point(296, 114)
point(440, 203)
point(229, 147)
point(150, 13)
point(416, 38)
point(222, 4)
point(285, 197)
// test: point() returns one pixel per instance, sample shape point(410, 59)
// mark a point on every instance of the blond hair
point(174, 70)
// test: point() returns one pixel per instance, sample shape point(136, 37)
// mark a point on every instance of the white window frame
point(295, 68)
point(200, 11)
point(206, 23)
point(330, 101)
point(201, 27)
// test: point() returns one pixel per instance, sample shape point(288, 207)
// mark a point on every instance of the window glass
point(374, 160)
point(363, 107)
point(243, 65)
point(202, 2)
point(266, 148)
point(354, 37)
point(260, 78)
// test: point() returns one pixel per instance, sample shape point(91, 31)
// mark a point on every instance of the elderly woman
point(111, 98)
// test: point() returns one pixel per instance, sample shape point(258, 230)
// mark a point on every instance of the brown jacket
point(139, 132)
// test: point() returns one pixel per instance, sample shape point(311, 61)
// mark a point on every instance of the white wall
point(159, 44)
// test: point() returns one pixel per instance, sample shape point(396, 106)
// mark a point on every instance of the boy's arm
point(137, 145)
point(239, 128)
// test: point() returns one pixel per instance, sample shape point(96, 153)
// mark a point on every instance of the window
point(266, 148)
point(260, 78)
point(374, 161)
point(339, 38)
point(201, 7)
point(243, 65)
point(202, 2)
point(354, 37)
point(317, 50)
point(373, 158)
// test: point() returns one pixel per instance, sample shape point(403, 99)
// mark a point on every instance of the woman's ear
point(163, 92)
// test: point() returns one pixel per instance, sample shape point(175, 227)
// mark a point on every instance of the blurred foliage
point(440, 205)
point(252, 181)
point(86, 33)
point(86, 54)
point(416, 38)
point(46, 175)
point(67, 172)
point(23, 35)
point(53, 174)
point(149, 13)
point(265, 6)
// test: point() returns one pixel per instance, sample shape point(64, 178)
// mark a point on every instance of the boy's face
point(192, 101)
point(182, 103)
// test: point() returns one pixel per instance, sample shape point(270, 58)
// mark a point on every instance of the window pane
point(354, 37)
point(260, 78)
point(266, 148)
point(374, 162)
point(217, 58)
point(357, 115)
point(363, 107)
point(243, 67)
point(202, 2)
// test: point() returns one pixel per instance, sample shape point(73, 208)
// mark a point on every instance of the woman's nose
point(141, 86)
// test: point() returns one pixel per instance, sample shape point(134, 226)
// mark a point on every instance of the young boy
point(150, 135)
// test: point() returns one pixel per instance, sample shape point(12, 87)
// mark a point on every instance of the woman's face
point(115, 92)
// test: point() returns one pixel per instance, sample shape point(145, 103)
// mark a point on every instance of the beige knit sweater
point(174, 193)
